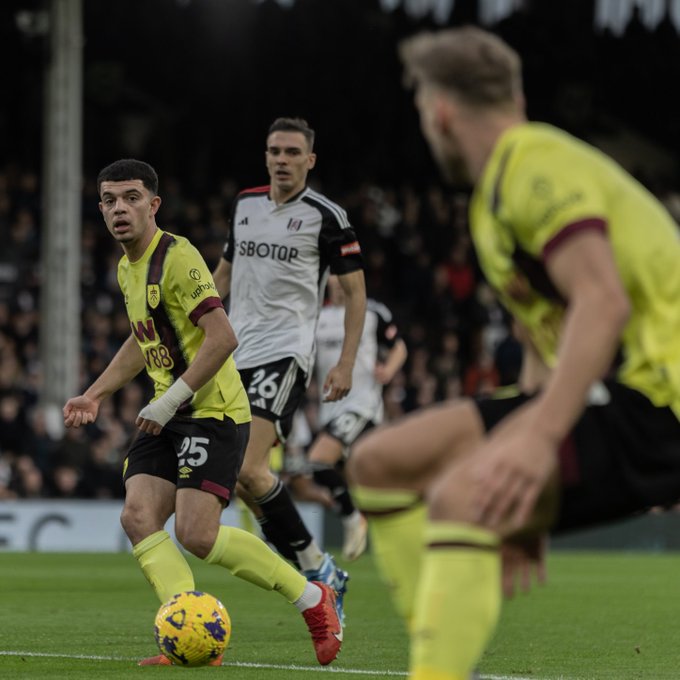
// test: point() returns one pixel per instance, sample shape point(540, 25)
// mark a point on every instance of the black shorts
point(275, 391)
point(348, 427)
point(621, 458)
point(197, 453)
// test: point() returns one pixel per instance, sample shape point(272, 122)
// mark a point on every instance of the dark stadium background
point(198, 81)
point(191, 86)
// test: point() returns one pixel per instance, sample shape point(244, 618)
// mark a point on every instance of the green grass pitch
point(600, 617)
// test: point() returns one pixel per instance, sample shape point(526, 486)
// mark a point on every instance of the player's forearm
point(534, 373)
point(124, 366)
point(222, 278)
point(214, 351)
point(395, 359)
point(355, 314)
point(354, 289)
point(223, 286)
point(591, 336)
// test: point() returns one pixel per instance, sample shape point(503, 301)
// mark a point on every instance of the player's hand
point(338, 383)
point(523, 561)
point(79, 411)
point(510, 470)
point(147, 424)
point(156, 414)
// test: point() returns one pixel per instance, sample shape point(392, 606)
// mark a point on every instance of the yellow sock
point(457, 603)
point(247, 520)
point(164, 565)
point(396, 520)
point(251, 559)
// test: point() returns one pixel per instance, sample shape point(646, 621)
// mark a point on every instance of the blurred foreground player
point(586, 260)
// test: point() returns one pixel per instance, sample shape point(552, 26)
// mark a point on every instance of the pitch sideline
point(245, 664)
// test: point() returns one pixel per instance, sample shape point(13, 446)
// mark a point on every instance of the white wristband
point(164, 408)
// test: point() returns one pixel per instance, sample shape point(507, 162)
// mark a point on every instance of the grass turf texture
point(601, 617)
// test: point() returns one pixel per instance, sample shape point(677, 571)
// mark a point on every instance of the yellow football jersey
point(166, 292)
point(540, 186)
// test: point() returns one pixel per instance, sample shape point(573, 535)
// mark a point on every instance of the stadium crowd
point(419, 262)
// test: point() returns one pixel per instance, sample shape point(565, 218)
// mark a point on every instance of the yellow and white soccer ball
point(192, 628)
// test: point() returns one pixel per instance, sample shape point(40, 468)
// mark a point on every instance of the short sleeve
point(338, 242)
point(192, 282)
point(551, 192)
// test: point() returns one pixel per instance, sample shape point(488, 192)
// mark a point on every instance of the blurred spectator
point(102, 473)
point(46, 433)
point(445, 363)
point(74, 449)
point(6, 475)
point(27, 480)
point(481, 376)
point(16, 436)
point(460, 274)
point(66, 480)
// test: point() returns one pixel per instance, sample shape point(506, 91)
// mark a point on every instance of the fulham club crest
point(293, 224)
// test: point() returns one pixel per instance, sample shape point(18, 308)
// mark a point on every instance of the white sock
point(311, 596)
point(351, 520)
point(311, 557)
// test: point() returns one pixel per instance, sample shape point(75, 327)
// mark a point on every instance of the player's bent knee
point(363, 466)
point(451, 498)
point(256, 480)
point(140, 519)
point(371, 463)
point(135, 524)
point(198, 543)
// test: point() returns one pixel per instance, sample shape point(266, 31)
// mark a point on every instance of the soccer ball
point(192, 628)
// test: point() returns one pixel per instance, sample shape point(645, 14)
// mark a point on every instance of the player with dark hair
point(284, 241)
point(193, 433)
point(586, 259)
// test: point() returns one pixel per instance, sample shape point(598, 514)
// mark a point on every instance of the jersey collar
point(292, 199)
point(149, 249)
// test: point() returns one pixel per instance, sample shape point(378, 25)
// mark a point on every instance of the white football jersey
point(366, 395)
point(281, 257)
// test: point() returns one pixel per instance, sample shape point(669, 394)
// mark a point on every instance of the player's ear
point(155, 204)
point(434, 108)
point(312, 160)
point(442, 113)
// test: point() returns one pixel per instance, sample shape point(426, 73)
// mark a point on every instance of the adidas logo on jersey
point(260, 403)
point(243, 221)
